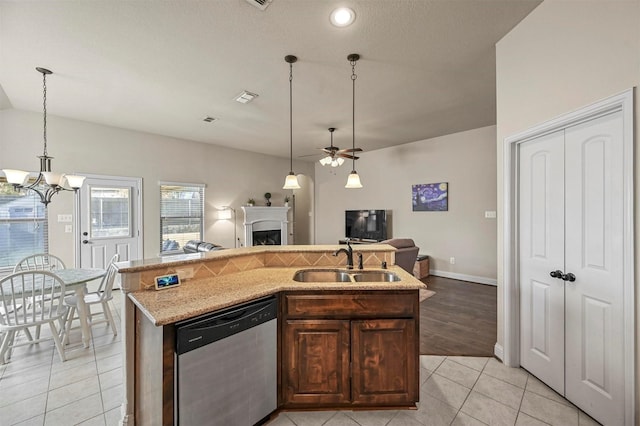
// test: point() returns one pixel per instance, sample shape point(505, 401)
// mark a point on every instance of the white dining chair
point(102, 296)
point(17, 291)
point(39, 262)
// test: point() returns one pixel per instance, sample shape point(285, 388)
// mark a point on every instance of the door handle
point(85, 241)
point(556, 274)
point(569, 277)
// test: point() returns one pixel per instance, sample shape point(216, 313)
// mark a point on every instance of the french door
point(571, 231)
point(109, 214)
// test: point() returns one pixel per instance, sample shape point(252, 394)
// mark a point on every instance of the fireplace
point(267, 238)
point(265, 225)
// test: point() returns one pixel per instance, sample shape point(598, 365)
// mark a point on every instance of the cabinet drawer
point(378, 304)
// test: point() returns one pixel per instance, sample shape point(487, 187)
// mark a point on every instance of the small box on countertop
point(421, 268)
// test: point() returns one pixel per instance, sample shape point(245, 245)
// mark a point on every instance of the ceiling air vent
point(260, 4)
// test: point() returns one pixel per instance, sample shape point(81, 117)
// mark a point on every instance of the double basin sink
point(343, 276)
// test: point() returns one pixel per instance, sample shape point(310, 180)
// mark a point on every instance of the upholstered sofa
point(406, 252)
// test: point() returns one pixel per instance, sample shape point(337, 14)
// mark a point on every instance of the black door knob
point(569, 277)
point(85, 241)
point(556, 274)
point(85, 233)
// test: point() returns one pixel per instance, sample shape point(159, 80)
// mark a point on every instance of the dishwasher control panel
point(196, 332)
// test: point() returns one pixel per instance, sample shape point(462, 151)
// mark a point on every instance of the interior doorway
point(582, 164)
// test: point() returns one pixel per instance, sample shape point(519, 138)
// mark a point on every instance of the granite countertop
point(193, 258)
point(197, 297)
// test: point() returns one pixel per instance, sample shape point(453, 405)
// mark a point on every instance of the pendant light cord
point(291, 117)
point(44, 108)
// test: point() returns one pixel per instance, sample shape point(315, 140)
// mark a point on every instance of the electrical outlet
point(68, 229)
point(185, 273)
point(490, 214)
point(452, 260)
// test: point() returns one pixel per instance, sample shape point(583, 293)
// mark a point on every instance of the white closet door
point(594, 248)
point(542, 251)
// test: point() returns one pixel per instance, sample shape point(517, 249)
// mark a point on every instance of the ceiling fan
point(335, 156)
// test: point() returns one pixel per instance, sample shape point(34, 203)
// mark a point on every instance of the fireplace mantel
point(265, 219)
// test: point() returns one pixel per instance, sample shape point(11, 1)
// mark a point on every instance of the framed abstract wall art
point(430, 197)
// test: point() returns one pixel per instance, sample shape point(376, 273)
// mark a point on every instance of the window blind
point(23, 226)
point(181, 215)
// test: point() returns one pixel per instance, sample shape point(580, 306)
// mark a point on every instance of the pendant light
point(48, 183)
point(291, 181)
point(353, 182)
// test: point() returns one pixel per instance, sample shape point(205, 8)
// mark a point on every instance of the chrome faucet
point(349, 252)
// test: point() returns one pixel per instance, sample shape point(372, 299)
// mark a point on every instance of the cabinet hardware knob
point(569, 277)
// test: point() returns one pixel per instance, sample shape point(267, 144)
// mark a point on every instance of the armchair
point(406, 252)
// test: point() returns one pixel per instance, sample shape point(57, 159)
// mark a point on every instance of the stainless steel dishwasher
point(226, 372)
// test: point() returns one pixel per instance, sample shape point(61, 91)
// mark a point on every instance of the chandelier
point(48, 183)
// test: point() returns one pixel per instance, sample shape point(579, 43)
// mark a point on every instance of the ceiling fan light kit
point(335, 156)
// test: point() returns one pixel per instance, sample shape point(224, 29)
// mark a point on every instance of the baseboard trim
point(464, 277)
point(498, 351)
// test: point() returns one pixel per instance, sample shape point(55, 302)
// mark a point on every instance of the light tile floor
point(462, 391)
point(37, 389)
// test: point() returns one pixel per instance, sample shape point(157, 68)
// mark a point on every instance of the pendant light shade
point(353, 181)
point(48, 183)
point(291, 181)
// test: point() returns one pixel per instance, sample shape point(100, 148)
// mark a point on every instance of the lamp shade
point(52, 178)
point(291, 182)
point(75, 181)
point(353, 181)
point(224, 214)
point(16, 177)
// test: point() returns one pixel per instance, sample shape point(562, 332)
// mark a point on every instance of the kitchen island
point(363, 315)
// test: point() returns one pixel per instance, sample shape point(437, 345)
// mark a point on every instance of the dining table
point(76, 279)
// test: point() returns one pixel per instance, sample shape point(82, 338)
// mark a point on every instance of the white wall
point(561, 57)
point(231, 176)
point(466, 160)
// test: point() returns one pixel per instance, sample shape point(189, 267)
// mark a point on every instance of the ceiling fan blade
point(351, 150)
point(350, 157)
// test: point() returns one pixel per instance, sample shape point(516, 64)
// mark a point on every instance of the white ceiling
point(427, 67)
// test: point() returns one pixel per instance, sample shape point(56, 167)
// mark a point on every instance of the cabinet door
point(316, 362)
point(384, 363)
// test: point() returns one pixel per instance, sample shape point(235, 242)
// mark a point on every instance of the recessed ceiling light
point(245, 97)
point(342, 17)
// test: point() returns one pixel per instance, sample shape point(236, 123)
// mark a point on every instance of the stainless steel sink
point(322, 276)
point(340, 276)
point(375, 276)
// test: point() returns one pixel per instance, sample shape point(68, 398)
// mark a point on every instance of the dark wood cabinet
point(316, 361)
point(349, 349)
point(384, 372)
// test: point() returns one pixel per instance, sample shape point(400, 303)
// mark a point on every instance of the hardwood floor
point(460, 319)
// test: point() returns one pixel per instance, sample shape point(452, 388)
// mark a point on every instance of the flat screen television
point(366, 224)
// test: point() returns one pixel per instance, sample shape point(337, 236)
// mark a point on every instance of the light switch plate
point(490, 214)
point(65, 218)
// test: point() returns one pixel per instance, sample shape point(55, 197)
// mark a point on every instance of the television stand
point(358, 241)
